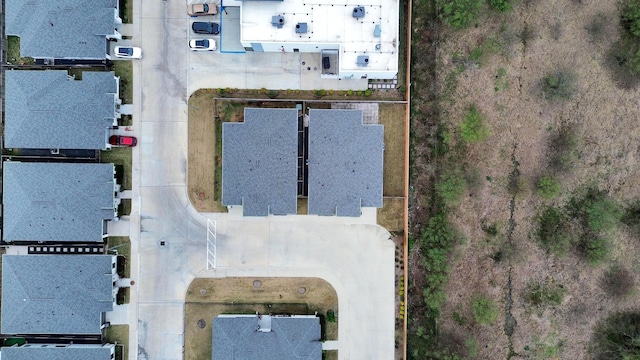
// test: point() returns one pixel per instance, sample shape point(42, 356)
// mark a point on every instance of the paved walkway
point(330, 345)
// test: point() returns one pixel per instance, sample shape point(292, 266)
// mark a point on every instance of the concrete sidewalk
point(119, 228)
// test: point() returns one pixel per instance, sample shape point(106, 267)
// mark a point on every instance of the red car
point(120, 140)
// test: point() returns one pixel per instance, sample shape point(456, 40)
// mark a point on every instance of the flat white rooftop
point(330, 24)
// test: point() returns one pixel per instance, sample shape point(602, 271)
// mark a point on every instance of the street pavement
point(168, 236)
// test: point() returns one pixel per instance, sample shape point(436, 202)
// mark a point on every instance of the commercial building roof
point(57, 352)
point(62, 28)
point(250, 337)
point(259, 162)
point(63, 202)
point(345, 163)
point(55, 294)
point(355, 28)
point(60, 112)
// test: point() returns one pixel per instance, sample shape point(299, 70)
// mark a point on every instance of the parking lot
point(168, 237)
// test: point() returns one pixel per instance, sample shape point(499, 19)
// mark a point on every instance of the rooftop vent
point(301, 28)
point(358, 12)
point(362, 60)
point(277, 21)
point(377, 31)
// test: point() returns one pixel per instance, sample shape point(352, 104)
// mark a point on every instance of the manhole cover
point(257, 284)
point(302, 290)
point(202, 323)
point(203, 291)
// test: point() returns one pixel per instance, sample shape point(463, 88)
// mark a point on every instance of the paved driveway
point(169, 236)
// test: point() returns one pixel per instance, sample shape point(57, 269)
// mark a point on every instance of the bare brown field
point(504, 84)
point(392, 116)
point(207, 298)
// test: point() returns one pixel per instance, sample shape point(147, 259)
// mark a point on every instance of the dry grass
point(207, 298)
point(522, 122)
point(391, 215)
point(202, 147)
point(393, 116)
point(303, 206)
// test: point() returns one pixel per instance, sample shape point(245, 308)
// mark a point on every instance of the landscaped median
point(208, 298)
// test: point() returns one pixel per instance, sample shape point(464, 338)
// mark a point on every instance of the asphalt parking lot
point(169, 237)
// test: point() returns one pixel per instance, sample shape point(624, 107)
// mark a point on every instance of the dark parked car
point(120, 140)
point(200, 27)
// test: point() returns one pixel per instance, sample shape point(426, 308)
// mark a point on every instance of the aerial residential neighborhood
point(284, 179)
point(138, 223)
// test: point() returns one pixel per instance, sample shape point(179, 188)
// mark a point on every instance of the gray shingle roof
point(259, 162)
point(56, 353)
point(58, 113)
point(345, 163)
point(62, 28)
point(62, 202)
point(290, 338)
point(55, 294)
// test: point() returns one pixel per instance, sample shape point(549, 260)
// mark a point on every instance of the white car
point(128, 52)
point(202, 44)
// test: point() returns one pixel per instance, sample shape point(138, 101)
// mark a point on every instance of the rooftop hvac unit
point(277, 21)
point(301, 28)
point(362, 60)
point(358, 12)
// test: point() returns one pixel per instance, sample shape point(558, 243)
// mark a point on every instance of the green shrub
point(459, 13)
point(595, 248)
point(472, 347)
point(617, 337)
point(319, 93)
point(472, 128)
point(367, 92)
point(451, 187)
point(542, 294)
point(484, 310)
point(627, 54)
point(553, 231)
point(597, 211)
point(595, 28)
point(560, 85)
point(563, 147)
point(631, 215)
point(630, 16)
point(331, 316)
point(436, 241)
point(617, 282)
point(500, 5)
point(602, 214)
point(349, 92)
point(548, 187)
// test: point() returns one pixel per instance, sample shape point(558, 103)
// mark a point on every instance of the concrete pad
point(118, 228)
point(230, 30)
point(159, 337)
point(119, 315)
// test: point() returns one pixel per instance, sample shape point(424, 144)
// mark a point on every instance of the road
point(169, 237)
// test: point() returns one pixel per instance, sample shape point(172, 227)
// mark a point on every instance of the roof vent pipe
point(358, 12)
